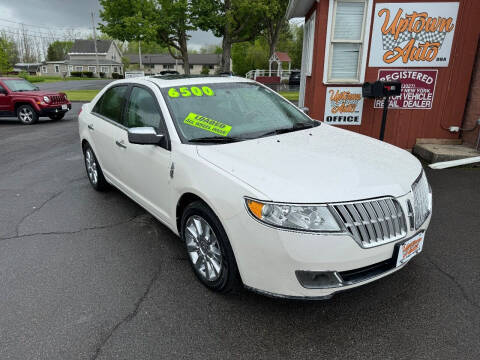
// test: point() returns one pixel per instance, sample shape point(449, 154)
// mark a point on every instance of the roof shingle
point(88, 46)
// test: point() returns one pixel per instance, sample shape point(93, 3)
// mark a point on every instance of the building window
point(78, 68)
point(169, 66)
point(57, 68)
point(92, 69)
point(210, 67)
point(104, 69)
point(345, 42)
point(115, 69)
point(44, 70)
point(70, 67)
point(191, 67)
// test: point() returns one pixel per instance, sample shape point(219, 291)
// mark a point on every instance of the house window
point(345, 44)
point(78, 68)
point(44, 70)
point(92, 69)
point(191, 67)
point(57, 68)
point(115, 69)
point(170, 66)
point(70, 67)
point(104, 69)
point(210, 67)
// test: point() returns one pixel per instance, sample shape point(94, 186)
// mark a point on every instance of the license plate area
point(409, 248)
point(64, 107)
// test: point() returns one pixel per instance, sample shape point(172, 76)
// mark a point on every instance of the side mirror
point(37, 88)
point(146, 136)
point(306, 110)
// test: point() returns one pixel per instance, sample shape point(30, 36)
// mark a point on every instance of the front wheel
point(208, 247)
point(27, 115)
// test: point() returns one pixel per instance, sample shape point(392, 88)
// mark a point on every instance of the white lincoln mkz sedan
point(258, 191)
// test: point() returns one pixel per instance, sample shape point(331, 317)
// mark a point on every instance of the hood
point(36, 93)
point(323, 164)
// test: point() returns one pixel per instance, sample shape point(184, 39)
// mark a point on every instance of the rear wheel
point(56, 117)
point(208, 247)
point(94, 171)
point(27, 115)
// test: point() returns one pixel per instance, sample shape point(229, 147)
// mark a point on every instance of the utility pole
point(97, 72)
point(140, 53)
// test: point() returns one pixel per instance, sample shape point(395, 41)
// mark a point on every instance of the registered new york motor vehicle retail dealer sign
point(418, 88)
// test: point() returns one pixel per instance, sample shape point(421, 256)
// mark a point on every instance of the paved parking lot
point(85, 275)
point(74, 85)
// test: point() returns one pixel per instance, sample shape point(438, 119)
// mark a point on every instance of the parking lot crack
point(455, 281)
point(99, 227)
point(130, 316)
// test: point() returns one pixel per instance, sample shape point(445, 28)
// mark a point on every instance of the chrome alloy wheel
point(26, 115)
point(203, 248)
point(91, 166)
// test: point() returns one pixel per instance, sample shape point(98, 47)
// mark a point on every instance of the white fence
point(283, 74)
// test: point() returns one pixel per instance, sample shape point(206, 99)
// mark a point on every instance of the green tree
point(165, 22)
point(149, 47)
point(234, 20)
point(248, 56)
point(10, 48)
point(58, 50)
point(274, 23)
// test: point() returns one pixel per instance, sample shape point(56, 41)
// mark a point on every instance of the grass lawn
point(292, 96)
point(81, 95)
point(49, 79)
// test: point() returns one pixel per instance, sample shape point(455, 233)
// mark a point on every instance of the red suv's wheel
point(27, 115)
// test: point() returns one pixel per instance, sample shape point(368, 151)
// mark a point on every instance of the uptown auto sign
point(413, 34)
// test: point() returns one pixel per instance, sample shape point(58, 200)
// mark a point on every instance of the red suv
point(22, 99)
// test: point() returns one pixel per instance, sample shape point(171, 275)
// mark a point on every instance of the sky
point(42, 17)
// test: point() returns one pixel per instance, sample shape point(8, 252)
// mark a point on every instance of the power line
point(40, 26)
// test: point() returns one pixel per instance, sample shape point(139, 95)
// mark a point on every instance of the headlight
point(46, 99)
point(315, 218)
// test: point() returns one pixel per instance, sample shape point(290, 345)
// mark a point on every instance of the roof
point(165, 59)
point(299, 8)
point(88, 46)
point(169, 81)
point(282, 56)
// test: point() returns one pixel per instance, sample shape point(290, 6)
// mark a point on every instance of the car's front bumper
point(270, 259)
point(54, 109)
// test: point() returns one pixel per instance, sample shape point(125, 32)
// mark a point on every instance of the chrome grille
point(56, 99)
point(373, 222)
point(421, 200)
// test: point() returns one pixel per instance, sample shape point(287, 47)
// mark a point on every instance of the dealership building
point(431, 47)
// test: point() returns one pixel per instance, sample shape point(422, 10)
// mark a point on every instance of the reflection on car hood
point(323, 164)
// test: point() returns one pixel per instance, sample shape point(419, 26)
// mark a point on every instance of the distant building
point(154, 63)
point(82, 58)
point(31, 68)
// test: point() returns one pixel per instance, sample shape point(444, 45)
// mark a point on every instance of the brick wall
point(472, 111)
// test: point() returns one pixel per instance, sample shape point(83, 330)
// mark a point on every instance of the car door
point(146, 168)
point(5, 101)
point(106, 129)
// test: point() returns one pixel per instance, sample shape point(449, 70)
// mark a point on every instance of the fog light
point(318, 279)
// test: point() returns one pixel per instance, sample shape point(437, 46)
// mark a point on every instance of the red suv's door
point(5, 101)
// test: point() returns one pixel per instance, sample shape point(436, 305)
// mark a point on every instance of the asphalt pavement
point(85, 275)
point(74, 85)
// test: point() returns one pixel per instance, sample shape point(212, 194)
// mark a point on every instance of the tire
point(94, 171)
point(212, 253)
point(56, 117)
point(27, 115)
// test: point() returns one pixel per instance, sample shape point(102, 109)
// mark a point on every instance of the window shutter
point(349, 20)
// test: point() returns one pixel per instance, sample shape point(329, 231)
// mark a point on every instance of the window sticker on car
point(192, 91)
point(207, 124)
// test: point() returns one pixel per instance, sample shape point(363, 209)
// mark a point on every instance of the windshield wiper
point(216, 139)
point(297, 126)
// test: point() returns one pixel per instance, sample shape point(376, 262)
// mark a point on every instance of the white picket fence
point(283, 74)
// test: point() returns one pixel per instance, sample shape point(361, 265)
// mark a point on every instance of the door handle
point(121, 144)
point(90, 127)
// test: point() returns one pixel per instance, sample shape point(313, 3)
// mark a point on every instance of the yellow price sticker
point(188, 92)
point(207, 124)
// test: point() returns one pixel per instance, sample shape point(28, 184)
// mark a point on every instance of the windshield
point(231, 111)
point(19, 85)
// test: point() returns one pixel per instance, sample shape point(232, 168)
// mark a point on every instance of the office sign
point(418, 88)
point(413, 34)
point(343, 106)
